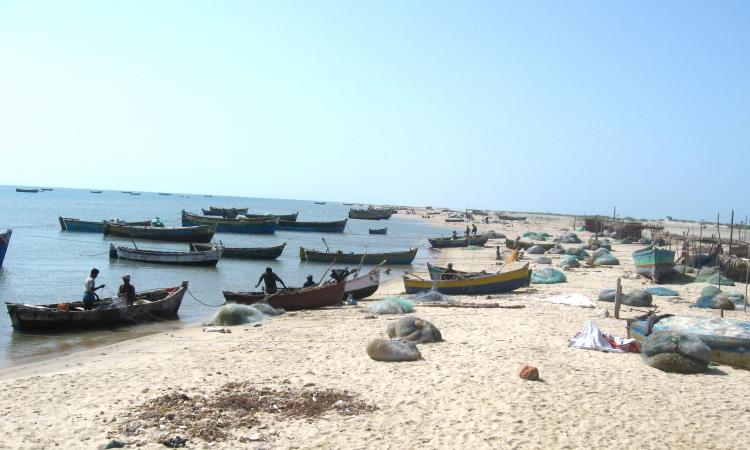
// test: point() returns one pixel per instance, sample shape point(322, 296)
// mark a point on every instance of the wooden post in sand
point(618, 294)
point(731, 232)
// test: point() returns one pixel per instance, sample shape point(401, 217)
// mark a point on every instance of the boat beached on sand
point(293, 299)
point(157, 304)
point(391, 258)
point(513, 276)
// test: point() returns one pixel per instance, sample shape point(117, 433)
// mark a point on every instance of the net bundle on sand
point(236, 314)
point(391, 305)
point(676, 353)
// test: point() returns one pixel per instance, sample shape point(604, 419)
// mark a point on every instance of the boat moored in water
point(192, 258)
point(263, 253)
point(200, 234)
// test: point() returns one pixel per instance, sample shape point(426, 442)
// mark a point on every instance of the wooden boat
point(363, 286)
point(164, 193)
point(95, 192)
point(224, 212)
point(653, 262)
point(46, 189)
point(197, 258)
point(460, 242)
point(728, 339)
point(511, 243)
point(201, 234)
point(348, 204)
point(69, 224)
point(512, 277)
point(392, 258)
point(126, 192)
point(157, 304)
point(244, 252)
point(436, 272)
point(27, 191)
point(4, 242)
point(285, 217)
point(455, 219)
point(294, 299)
point(336, 226)
point(378, 230)
point(135, 193)
point(227, 225)
point(370, 214)
point(320, 203)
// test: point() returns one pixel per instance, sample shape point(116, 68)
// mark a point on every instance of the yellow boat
point(511, 277)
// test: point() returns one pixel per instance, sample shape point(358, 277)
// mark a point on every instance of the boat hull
point(336, 226)
point(224, 212)
point(200, 234)
point(243, 226)
point(370, 214)
point(364, 286)
point(505, 281)
point(393, 258)
point(436, 272)
point(378, 230)
point(86, 226)
point(329, 294)
point(33, 317)
point(654, 263)
point(728, 339)
point(262, 253)
point(199, 258)
point(4, 242)
point(461, 242)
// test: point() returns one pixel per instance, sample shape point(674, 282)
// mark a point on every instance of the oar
point(329, 267)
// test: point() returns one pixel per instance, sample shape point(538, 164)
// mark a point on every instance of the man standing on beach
point(89, 289)
point(269, 279)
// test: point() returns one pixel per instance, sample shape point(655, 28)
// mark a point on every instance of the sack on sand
point(570, 261)
point(607, 260)
point(662, 291)
point(236, 314)
point(391, 305)
point(569, 238)
point(535, 250)
point(639, 297)
point(547, 275)
point(414, 329)
point(389, 350)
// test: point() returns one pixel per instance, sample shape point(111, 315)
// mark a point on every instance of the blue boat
point(246, 226)
point(86, 226)
point(336, 226)
point(378, 230)
point(4, 241)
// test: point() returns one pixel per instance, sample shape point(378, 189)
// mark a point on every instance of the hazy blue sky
point(566, 106)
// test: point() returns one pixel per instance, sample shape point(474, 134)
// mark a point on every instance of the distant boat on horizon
point(95, 192)
point(135, 193)
point(27, 191)
point(47, 189)
point(320, 203)
point(164, 193)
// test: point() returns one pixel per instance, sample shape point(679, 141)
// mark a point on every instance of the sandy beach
point(464, 393)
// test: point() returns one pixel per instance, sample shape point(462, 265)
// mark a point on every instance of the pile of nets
point(535, 250)
point(714, 298)
point(542, 260)
point(712, 275)
point(432, 296)
point(557, 250)
point(662, 291)
point(607, 259)
point(237, 314)
point(534, 236)
point(391, 305)
point(569, 261)
point(676, 353)
point(547, 276)
point(599, 252)
point(580, 228)
point(635, 298)
point(578, 252)
point(595, 244)
point(568, 238)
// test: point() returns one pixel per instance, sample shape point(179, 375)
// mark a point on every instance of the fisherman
point(467, 232)
point(455, 235)
point(473, 230)
point(269, 279)
point(309, 282)
point(89, 290)
point(157, 223)
point(449, 273)
point(126, 290)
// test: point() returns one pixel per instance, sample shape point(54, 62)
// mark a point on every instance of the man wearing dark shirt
point(309, 282)
point(269, 279)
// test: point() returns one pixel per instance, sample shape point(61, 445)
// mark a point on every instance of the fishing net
point(607, 259)
point(570, 261)
point(391, 305)
point(236, 314)
point(569, 238)
point(535, 250)
point(662, 291)
point(578, 252)
point(639, 297)
point(542, 260)
point(710, 291)
point(676, 353)
point(547, 276)
point(534, 236)
point(580, 228)
point(606, 295)
point(718, 302)
point(433, 296)
point(712, 275)
point(599, 252)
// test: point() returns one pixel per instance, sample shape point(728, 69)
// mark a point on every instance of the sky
point(570, 107)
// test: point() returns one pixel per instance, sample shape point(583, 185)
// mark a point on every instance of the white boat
point(200, 258)
point(363, 286)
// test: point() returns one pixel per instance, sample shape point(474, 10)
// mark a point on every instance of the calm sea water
point(47, 265)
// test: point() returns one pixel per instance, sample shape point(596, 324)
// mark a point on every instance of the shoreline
point(465, 392)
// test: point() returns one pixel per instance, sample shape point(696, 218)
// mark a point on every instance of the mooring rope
point(205, 304)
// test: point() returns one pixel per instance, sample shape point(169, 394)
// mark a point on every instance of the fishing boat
point(196, 258)
point(455, 219)
point(224, 212)
point(436, 272)
point(27, 191)
point(70, 224)
point(95, 192)
point(200, 233)
point(164, 193)
point(511, 277)
point(363, 286)
point(135, 193)
point(458, 242)
point(370, 214)
point(348, 204)
point(653, 262)
point(4, 241)
point(320, 203)
point(244, 252)
point(392, 258)
point(336, 226)
point(293, 299)
point(46, 189)
point(157, 304)
point(227, 225)
point(378, 230)
point(728, 339)
point(126, 192)
point(511, 243)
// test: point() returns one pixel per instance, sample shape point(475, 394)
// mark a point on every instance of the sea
point(46, 265)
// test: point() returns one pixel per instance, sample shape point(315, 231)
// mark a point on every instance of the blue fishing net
point(607, 260)
point(547, 276)
point(662, 291)
point(712, 275)
point(570, 261)
point(391, 305)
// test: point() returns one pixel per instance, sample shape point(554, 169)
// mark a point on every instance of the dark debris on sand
point(236, 405)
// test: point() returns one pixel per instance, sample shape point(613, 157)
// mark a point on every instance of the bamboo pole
point(731, 232)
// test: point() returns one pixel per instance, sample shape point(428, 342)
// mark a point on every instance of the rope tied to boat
point(205, 304)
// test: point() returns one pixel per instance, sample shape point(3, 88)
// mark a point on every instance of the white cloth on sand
point(570, 299)
point(592, 338)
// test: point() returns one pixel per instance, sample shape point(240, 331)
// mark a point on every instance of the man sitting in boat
point(455, 235)
point(269, 279)
point(157, 223)
point(127, 290)
point(89, 290)
point(309, 282)
point(449, 273)
point(473, 230)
